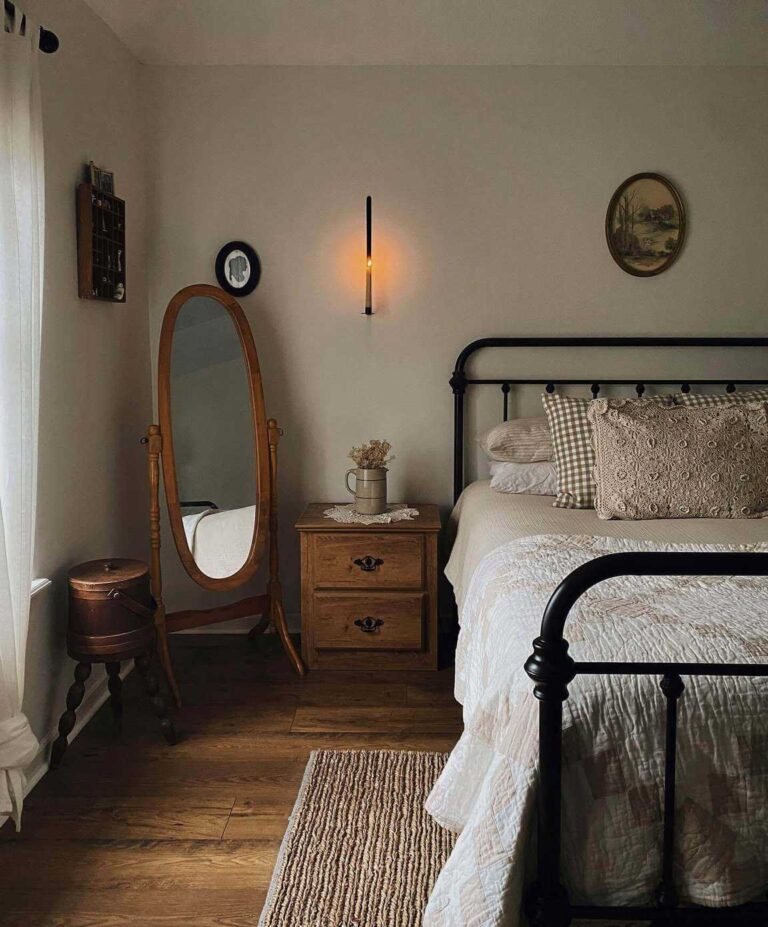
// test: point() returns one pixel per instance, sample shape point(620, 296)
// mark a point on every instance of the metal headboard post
point(460, 381)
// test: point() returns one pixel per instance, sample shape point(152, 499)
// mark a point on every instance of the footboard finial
point(551, 669)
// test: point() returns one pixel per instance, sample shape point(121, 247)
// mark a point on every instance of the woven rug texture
point(359, 851)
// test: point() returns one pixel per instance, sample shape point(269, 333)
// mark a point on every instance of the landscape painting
point(645, 225)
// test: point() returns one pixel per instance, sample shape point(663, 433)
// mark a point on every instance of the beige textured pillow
point(521, 440)
point(653, 461)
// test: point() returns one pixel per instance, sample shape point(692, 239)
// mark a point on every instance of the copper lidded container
point(111, 615)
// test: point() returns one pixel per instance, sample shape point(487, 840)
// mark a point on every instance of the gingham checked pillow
point(574, 454)
point(719, 399)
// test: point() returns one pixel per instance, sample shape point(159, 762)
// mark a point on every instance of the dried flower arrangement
point(372, 455)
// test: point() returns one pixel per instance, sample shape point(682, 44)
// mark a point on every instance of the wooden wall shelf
point(100, 245)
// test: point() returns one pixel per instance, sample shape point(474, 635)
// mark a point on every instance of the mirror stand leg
point(260, 627)
point(154, 442)
point(115, 684)
point(164, 655)
point(274, 586)
point(278, 619)
point(144, 666)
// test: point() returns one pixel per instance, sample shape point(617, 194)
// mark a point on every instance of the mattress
point(484, 519)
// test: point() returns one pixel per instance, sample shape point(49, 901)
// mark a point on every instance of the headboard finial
point(458, 382)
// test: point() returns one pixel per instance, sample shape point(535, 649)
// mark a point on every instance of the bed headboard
point(460, 380)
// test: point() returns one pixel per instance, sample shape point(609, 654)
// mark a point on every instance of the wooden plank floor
point(132, 832)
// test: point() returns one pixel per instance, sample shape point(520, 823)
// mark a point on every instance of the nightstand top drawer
point(314, 520)
point(368, 561)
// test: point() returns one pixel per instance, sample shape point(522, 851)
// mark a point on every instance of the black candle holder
point(368, 264)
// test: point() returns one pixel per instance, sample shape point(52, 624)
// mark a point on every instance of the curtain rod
point(48, 41)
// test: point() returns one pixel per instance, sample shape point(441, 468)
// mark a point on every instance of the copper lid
point(106, 574)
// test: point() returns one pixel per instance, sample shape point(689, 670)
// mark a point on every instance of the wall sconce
point(368, 262)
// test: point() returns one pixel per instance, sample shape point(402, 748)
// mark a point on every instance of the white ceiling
point(637, 32)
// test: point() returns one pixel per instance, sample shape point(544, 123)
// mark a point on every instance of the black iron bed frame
point(551, 667)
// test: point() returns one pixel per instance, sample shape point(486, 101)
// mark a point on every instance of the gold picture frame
point(645, 225)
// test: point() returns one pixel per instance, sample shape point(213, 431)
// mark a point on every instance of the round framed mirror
point(215, 445)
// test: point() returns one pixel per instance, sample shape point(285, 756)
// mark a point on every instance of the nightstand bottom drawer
point(385, 621)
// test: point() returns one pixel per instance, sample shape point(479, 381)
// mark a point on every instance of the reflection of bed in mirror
point(219, 464)
point(219, 540)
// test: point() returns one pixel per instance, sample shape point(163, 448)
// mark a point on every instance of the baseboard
point(293, 620)
point(95, 696)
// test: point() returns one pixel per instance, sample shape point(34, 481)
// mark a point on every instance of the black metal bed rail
point(746, 915)
point(198, 504)
point(460, 381)
point(552, 669)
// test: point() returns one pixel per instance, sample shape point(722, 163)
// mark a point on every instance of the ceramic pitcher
point(370, 490)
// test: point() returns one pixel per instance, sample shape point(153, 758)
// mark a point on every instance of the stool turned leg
point(153, 691)
point(115, 684)
point(67, 720)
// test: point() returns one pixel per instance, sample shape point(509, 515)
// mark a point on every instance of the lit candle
point(368, 262)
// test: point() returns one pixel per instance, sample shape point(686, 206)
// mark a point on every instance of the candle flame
point(347, 255)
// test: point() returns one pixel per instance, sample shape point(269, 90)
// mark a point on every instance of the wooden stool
point(111, 618)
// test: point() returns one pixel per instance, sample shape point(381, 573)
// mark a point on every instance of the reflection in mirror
point(212, 437)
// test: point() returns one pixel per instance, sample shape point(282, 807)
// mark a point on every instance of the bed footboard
point(551, 668)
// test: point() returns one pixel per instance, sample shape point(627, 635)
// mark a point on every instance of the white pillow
point(521, 440)
point(536, 479)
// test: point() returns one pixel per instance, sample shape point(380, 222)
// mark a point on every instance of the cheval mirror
point(219, 465)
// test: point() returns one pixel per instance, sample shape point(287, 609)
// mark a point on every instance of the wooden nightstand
point(369, 593)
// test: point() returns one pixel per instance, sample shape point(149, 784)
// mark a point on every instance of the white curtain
point(21, 281)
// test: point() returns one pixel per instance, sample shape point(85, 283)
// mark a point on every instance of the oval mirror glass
point(215, 454)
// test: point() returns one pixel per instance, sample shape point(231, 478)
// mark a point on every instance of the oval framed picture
point(645, 225)
point(238, 268)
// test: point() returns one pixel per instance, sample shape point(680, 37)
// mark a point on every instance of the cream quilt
point(613, 740)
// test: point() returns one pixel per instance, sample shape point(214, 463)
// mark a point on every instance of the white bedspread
point(613, 741)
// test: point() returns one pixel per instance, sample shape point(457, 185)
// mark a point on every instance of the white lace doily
point(346, 515)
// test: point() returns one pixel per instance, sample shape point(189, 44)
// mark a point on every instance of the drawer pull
point(368, 564)
point(369, 625)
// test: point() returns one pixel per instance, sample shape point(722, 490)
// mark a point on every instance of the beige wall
point(95, 391)
point(489, 187)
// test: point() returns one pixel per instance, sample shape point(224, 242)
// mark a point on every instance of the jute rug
point(359, 851)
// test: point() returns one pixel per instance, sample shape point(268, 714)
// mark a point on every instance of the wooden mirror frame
point(260, 437)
